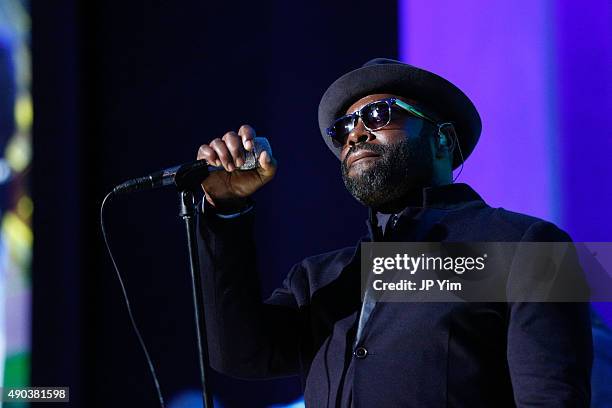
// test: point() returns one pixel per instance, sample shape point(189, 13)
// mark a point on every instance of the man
point(399, 132)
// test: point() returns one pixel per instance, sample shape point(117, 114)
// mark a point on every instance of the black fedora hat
point(382, 75)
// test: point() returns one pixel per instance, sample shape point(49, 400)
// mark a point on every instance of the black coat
point(410, 354)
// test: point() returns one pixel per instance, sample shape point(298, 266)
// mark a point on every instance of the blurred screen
point(15, 202)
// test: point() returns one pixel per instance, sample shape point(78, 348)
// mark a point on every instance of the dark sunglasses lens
point(340, 130)
point(376, 115)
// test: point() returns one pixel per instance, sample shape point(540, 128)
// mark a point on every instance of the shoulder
point(529, 228)
point(482, 222)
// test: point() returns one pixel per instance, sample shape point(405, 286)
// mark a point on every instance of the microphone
point(189, 175)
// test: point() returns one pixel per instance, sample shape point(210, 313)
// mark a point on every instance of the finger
point(205, 152)
point(234, 145)
point(247, 133)
point(267, 163)
point(223, 153)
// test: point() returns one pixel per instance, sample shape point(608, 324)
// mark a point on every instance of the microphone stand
point(187, 213)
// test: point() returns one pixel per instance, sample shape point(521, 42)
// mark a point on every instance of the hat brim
point(432, 91)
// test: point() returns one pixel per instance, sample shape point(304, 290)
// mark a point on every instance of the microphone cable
point(127, 304)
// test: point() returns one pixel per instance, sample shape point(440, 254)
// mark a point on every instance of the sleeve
point(550, 349)
point(247, 337)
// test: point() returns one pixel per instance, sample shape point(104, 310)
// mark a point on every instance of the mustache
point(376, 149)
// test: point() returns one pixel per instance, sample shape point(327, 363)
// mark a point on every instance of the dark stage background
point(122, 88)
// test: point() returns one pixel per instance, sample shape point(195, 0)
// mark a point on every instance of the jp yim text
point(425, 285)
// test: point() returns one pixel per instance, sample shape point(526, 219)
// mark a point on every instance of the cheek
point(414, 128)
point(343, 153)
point(391, 137)
point(405, 128)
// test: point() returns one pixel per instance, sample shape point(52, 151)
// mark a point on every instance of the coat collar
point(449, 196)
point(446, 197)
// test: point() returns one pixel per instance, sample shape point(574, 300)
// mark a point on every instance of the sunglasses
point(375, 115)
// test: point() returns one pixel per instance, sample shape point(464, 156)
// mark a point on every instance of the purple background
point(540, 74)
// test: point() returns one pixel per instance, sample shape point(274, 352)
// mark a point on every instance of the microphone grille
point(251, 160)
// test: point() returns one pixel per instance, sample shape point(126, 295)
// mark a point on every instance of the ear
point(445, 140)
point(441, 143)
point(442, 139)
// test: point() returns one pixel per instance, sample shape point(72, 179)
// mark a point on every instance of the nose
point(359, 134)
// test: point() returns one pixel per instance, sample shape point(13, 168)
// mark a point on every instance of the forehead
point(358, 104)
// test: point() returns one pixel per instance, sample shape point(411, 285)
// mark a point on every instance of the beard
point(400, 169)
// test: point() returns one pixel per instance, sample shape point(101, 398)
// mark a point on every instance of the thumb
point(267, 164)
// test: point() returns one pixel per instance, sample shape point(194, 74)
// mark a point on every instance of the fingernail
point(248, 145)
point(231, 167)
point(239, 162)
point(218, 163)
